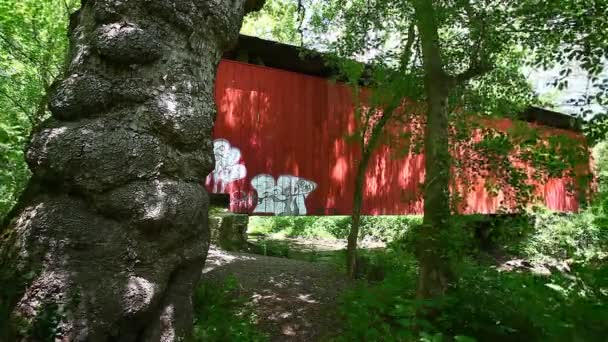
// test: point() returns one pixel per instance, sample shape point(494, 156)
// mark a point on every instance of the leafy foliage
point(487, 304)
point(492, 305)
point(385, 311)
point(221, 314)
point(579, 238)
point(33, 41)
point(514, 160)
point(278, 20)
point(383, 228)
point(600, 155)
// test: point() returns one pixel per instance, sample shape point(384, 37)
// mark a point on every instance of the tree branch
point(478, 68)
point(479, 62)
point(253, 5)
point(301, 15)
point(407, 50)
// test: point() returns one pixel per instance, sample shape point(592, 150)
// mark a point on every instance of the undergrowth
point(381, 228)
point(486, 304)
point(221, 314)
point(578, 237)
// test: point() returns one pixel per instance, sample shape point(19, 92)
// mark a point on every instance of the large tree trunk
point(434, 266)
point(434, 272)
point(109, 239)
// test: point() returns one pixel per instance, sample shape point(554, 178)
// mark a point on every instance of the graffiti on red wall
point(228, 166)
point(283, 149)
point(286, 196)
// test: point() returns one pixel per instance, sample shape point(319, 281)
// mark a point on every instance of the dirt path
point(294, 300)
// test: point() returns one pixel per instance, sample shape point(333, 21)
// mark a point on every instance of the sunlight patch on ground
point(307, 298)
point(217, 258)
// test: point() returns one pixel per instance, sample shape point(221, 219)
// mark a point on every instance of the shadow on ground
point(294, 300)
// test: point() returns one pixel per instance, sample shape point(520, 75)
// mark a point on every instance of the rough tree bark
point(110, 237)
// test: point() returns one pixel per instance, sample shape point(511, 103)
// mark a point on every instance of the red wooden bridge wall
point(281, 149)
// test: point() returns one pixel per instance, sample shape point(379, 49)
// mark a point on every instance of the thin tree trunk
point(434, 272)
point(367, 150)
point(108, 241)
point(366, 154)
point(351, 250)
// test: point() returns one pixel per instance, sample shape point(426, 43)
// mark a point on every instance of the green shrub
point(221, 314)
point(483, 303)
point(487, 304)
point(384, 312)
point(511, 306)
point(328, 227)
point(579, 237)
point(388, 228)
point(537, 235)
point(383, 228)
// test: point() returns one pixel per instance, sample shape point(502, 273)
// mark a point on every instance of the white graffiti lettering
point(286, 196)
point(227, 165)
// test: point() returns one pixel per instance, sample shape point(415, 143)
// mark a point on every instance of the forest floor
point(293, 300)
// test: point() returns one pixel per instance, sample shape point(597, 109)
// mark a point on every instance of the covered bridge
point(281, 147)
